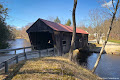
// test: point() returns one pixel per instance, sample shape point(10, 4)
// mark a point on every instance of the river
point(18, 43)
point(109, 66)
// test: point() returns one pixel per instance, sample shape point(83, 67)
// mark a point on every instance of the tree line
point(5, 30)
point(99, 24)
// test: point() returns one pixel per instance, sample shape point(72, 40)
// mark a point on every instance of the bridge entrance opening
point(41, 40)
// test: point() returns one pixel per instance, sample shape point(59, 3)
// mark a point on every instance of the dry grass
point(112, 48)
point(13, 69)
point(97, 45)
point(52, 68)
point(109, 48)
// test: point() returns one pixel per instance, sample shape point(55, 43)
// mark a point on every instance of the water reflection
point(18, 43)
point(82, 58)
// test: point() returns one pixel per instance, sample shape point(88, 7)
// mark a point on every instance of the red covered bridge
point(45, 34)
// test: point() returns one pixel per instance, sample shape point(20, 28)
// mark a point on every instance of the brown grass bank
point(50, 68)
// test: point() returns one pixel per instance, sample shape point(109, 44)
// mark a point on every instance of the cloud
point(109, 4)
point(17, 27)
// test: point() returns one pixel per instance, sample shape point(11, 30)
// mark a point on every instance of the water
point(18, 43)
point(109, 66)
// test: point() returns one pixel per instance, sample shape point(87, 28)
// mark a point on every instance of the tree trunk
point(97, 38)
point(108, 33)
point(74, 31)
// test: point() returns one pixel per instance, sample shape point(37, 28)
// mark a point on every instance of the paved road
point(35, 54)
point(4, 57)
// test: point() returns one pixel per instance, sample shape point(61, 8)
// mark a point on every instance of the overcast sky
point(22, 12)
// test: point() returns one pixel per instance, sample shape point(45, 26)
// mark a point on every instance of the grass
point(115, 41)
point(112, 40)
point(12, 71)
point(49, 68)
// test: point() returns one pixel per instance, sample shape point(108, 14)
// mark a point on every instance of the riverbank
point(27, 39)
point(110, 48)
point(49, 68)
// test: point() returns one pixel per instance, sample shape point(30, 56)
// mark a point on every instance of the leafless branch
point(113, 4)
point(108, 7)
point(108, 13)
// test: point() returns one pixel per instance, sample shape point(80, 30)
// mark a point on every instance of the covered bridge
point(45, 34)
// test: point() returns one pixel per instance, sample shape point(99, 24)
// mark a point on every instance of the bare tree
point(109, 30)
point(96, 19)
point(74, 31)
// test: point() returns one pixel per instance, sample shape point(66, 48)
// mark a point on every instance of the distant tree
point(68, 23)
point(24, 33)
point(96, 21)
point(11, 31)
point(74, 32)
point(21, 33)
point(5, 33)
point(50, 18)
point(57, 20)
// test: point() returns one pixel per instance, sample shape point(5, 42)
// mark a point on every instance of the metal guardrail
point(5, 64)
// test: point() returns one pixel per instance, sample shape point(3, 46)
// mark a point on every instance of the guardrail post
point(32, 47)
point(25, 54)
point(54, 51)
point(24, 49)
point(47, 52)
point(16, 59)
point(15, 52)
point(6, 66)
point(39, 53)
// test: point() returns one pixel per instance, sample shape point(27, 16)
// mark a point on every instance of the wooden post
point(16, 59)
point(25, 54)
point(6, 66)
point(32, 47)
point(47, 52)
point(24, 49)
point(15, 52)
point(54, 51)
point(39, 53)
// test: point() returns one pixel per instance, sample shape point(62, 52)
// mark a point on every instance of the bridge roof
point(61, 27)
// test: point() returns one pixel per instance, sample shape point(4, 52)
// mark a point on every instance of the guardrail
point(6, 50)
point(5, 64)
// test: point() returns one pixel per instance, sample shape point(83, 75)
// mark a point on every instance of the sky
point(22, 12)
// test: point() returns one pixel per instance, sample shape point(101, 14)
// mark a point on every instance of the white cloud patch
point(108, 4)
point(18, 27)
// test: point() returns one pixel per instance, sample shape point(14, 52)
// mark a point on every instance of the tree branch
point(113, 4)
point(108, 7)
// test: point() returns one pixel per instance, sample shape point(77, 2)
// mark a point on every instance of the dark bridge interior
point(41, 40)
